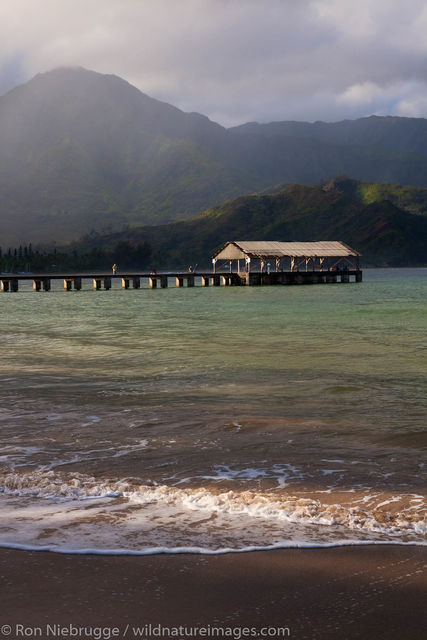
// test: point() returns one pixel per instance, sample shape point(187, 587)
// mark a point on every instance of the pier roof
point(271, 249)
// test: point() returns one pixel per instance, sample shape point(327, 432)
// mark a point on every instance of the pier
point(130, 280)
point(234, 264)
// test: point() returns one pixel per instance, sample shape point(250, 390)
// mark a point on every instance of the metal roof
point(264, 249)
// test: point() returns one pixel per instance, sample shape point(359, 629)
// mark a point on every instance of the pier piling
point(42, 282)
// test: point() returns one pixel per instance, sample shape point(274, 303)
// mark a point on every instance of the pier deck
point(131, 279)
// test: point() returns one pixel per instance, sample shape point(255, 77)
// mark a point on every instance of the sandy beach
point(350, 592)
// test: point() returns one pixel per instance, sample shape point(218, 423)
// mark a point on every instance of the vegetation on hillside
point(385, 234)
point(341, 209)
point(410, 199)
point(26, 259)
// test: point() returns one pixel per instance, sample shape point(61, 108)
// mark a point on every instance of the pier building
point(271, 262)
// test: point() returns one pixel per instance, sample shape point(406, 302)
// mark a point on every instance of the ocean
point(214, 419)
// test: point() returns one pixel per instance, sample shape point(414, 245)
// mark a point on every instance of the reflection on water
point(303, 407)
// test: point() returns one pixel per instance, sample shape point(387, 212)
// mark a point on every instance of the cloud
point(12, 71)
point(233, 60)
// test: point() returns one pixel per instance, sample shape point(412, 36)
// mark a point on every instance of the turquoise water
point(214, 418)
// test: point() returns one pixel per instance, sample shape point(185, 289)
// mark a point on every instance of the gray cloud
point(233, 60)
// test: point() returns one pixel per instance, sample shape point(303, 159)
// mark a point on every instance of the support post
point(46, 284)
point(97, 284)
point(136, 282)
point(153, 282)
point(107, 283)
point(163, 281)
point(37, 283)
point(190, 281)
point(5, 285)
point(77, 284)
point(67, 284)
point(14, 284)
point(179, 281)
point(205, 281)
point(125, 283)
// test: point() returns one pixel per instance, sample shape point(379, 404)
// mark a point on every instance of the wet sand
point(372, 592)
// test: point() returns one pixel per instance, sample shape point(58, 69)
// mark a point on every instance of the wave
point(77, 513)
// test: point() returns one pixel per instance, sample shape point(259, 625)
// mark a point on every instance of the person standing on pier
point(114, 267)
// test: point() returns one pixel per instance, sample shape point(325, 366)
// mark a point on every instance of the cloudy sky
point(233, 60)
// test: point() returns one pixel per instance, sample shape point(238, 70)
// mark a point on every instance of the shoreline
point(367, 591)
point(202, 551)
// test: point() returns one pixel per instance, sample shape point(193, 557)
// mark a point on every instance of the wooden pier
point(264, 263)
point(74, 281)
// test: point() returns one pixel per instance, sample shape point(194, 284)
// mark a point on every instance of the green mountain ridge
point(80, 150)
point(384, 233)
point(410, 199)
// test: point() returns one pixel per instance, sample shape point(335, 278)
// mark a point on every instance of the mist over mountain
point(80, 150)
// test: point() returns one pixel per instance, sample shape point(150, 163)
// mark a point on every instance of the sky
point(235, 61)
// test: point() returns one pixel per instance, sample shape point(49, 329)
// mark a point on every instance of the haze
point(233, 60)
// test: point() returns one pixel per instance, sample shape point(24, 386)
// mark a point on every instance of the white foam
point(328, 472)
point(87, 455)
point(92, 420)
point(65, 511)
point(281, 473)
point(18, 455)
point(202, 550)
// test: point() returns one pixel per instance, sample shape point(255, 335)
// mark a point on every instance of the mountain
point(385, 234)
point(407, 135)
point(81, 150)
